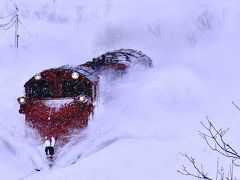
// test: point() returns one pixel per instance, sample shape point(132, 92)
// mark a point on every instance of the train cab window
point(74, 88)
point(40, 90)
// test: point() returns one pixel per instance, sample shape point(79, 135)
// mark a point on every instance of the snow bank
point(124, 159)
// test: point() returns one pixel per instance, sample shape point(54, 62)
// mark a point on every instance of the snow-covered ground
point(144, 119)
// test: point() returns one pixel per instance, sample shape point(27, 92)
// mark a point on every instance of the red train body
point(60, 101)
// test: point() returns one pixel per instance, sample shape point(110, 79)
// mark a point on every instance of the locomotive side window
point(40, 90)
point(73, 88)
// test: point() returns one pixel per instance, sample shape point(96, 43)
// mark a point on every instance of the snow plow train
point(60, 101)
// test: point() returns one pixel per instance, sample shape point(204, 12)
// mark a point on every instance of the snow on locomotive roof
point(87, 72)
point(127, 56)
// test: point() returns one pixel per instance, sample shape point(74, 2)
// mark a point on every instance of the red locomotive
point(60, 101)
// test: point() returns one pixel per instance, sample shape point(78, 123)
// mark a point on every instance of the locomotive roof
point(126, 56)
point(87, 72)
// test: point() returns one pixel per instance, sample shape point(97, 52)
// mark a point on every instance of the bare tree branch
point(235, 105)
point(200, 172)
point(155, 29)
point(216, 142)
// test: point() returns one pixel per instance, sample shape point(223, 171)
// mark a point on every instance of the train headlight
point(82, 98)
point(21, 100)
point(75, 75)
point(37, 77)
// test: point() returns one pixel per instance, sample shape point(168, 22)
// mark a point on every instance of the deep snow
point(144, 119)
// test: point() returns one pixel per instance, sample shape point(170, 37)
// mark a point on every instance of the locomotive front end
point(59, 102)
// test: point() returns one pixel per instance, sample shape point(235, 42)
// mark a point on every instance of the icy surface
point(144, 119)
